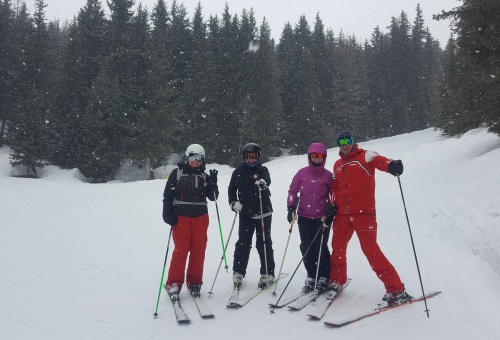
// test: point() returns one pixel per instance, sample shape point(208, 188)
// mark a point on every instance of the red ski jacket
point(353, 186)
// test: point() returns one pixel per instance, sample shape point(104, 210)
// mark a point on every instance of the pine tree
point(137, 91)
point(262, 110)
point(433, 77)
point(81, 60)
point(350, 88)
point(159, 121)
point(300, 90)
point(226, 54)
point(306, 114)
point(472, 91)
point(267, 93)
point(201, 91)
point(180, 54)
point(180, 43)
point(21, 33)
point(7, 65)
point(287, 65)
point(246, 66)
point(28, 136)
point(55, 51)
point(330, 124)
point(419, 72)
point(377, 59)
point(446, 117)
point(398, 75)
point(104, 128)
point(323, 71)
point(112, 113)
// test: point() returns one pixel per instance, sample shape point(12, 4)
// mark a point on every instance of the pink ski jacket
point(313, 184)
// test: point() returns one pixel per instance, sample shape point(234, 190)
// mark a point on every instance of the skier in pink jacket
point(311, 189)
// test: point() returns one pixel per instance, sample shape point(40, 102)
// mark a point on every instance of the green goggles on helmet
point(344, 141)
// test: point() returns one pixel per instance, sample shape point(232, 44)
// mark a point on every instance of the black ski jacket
point(186, 195)
point(242, 188)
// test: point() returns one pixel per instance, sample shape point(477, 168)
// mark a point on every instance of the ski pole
point(220, 263)
point(221, 237)
point(323, 226)
point(293, 274)
point(163, 272)
point(263, 230)
point(413, 245)
point(286, 247)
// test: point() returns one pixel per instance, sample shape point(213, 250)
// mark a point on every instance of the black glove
point(291, 209)
point(396, 168)
point(328, 221)
point(213, 176)
point(330, 211)
point(170, 219)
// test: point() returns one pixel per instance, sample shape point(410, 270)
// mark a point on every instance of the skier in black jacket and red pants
point(185, 209)
point(249, 195)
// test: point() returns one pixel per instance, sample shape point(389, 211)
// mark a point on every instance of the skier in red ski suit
point(353, 190)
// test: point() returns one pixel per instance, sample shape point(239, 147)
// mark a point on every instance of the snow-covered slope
point(84, 261)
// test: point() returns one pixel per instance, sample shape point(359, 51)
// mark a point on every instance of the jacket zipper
point(345, 185)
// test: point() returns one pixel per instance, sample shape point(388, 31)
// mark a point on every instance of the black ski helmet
point(250, 148)
point(344, 134)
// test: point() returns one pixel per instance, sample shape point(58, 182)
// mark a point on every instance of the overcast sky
point(358, 17)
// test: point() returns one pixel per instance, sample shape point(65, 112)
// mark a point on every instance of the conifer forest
point(137, 86)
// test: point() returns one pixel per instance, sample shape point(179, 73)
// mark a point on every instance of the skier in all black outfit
point(249, 195)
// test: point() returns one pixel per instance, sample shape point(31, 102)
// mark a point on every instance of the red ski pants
point(190, 236)
point(365, 226)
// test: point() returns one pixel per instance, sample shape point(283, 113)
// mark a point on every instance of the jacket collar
point(355, 151)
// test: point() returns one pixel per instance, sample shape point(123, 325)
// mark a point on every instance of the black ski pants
point(308, 228)
point(244, 244)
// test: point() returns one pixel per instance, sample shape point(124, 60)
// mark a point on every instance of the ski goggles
point(252, 155)
point(317, 155)
point(344, 141)
point(195, 157)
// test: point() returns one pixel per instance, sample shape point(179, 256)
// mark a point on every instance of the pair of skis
point(236, 301)
point(319, 302)
point(377, 311)
point(322, 302)
point(181, 315)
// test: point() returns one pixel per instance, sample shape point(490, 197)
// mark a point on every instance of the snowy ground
point(84, 261)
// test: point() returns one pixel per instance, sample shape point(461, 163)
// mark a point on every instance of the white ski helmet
point(194, 149)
